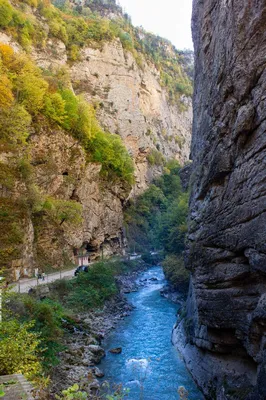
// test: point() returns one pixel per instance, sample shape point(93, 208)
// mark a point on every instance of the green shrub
point(12, 215)
point(31, 90)
point(19, 349)
point(72, 393)
point(176, 272)
point(155, 157)
point(84, 298)
point(14, 125)
point(158, 218)
point(79, 118)
point(57, 26)
point(20, 25)
point(92, 288)
point(54, 107)
point(109, 150)
point(6, 13)
point(47, 315)
point(60, 211)
point(2, 391)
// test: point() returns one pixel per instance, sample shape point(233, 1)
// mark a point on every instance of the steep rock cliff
point(131, 103)
point(224, 329)
point(61, 171)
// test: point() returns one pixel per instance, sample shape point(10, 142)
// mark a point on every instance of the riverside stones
point(97, 372)
point(223, 333)
point(97, 353)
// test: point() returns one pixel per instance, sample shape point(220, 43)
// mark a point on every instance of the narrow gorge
point(132, 202)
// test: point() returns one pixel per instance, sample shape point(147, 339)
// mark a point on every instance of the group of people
point(40, 275)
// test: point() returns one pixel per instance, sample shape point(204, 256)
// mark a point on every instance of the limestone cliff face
point(131, 103)
point(225, 323)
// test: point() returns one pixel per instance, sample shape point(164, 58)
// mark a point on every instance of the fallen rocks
point(97, 372)
point(97, 353)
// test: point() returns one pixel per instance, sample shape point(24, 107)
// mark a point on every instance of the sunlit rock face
point(133, 104)
point(225, 323)
point(130, 102)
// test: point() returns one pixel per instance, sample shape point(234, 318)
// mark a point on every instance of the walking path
point(24, 285)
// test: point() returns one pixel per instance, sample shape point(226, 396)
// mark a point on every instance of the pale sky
point(167, 18)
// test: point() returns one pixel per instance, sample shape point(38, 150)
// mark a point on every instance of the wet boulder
point(116, 350)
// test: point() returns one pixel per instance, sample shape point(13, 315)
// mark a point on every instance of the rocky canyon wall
point(223, 330)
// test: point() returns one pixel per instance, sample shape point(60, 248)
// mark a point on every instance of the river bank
point(83, 338)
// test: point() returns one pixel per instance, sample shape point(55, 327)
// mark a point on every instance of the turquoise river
point(149, 366)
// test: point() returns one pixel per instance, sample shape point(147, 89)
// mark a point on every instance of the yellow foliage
point(54, 107)
point(32, 3)
point(74, 52)
point(7, 54)
point(87, 121)
point(27, 79)
point(5, 13)
point(6, 95)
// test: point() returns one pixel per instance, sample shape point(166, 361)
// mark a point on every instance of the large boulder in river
point(116, 350)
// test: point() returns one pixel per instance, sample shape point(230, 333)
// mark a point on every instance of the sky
point(167, 18)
